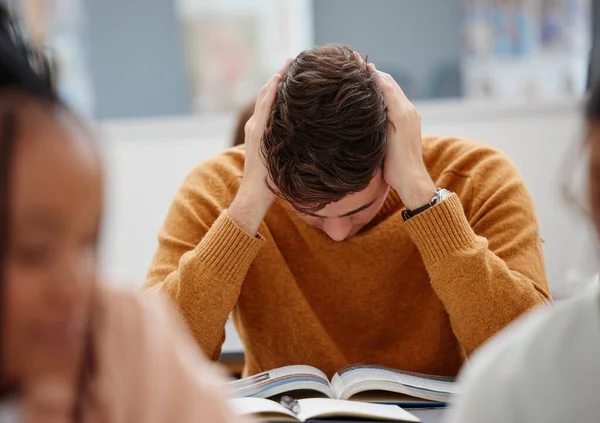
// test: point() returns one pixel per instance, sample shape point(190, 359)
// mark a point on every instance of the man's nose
point(337, 228)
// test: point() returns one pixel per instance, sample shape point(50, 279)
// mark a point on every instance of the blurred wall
point(426, 65)
point(147, 161)
point(135, 54)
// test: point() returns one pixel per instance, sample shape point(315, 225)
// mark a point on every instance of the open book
point(358, 382)
point(320, 408)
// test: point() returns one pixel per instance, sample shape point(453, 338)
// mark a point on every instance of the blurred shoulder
point(546, 356)
point(150, 368)
point(544, 336)
point(132, 315)
point(123, 315)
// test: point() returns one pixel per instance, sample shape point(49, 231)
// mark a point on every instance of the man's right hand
point(254, 198)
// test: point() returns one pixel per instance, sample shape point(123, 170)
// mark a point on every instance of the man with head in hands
point(339, 234)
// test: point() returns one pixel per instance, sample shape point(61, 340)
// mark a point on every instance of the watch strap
point(440, 195)
point(407, 214)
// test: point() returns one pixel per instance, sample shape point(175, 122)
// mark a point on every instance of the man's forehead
point(352, 203)
point(348, 203)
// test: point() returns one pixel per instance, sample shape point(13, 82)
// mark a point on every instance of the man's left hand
point(404, 169)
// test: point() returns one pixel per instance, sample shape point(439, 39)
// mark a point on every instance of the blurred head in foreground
point(72, 349)
point(50, 212)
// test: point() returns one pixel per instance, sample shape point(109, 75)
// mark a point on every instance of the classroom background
point(165, 79)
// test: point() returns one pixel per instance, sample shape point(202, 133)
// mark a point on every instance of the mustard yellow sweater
point(418, 295)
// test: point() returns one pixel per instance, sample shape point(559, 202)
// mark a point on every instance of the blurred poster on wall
point(525, 50)
point(222, 54)
point(233, 47)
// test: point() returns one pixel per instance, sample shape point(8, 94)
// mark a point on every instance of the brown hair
point(239, 136)
point(327, 134)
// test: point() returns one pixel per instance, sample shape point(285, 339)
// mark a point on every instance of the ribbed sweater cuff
point(441, 230)
point(227, 249)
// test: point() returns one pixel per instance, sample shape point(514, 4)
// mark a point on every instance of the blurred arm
point(152, 371)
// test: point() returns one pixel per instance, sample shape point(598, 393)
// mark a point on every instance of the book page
point(324, 407)
point(259, 407)
point(384, 397)
point(358, 378)
point(282, 380)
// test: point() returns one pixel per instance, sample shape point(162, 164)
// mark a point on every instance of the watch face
point(443, 194)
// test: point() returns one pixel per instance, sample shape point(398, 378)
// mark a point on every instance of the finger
point(382, 80)
point(393, 84)
point(389, 86)
point(358, 57)
point(263, 109)
point(261, 95)
point(265, 91)
point(386, 77)
point(281, 72)
point(371, 67)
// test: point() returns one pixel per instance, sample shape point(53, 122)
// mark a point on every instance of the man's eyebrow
point(350, 213)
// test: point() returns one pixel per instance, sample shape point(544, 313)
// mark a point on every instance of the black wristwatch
point(440, 195)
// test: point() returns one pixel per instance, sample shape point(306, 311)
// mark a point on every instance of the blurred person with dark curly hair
point(340, 235)
point(71, 348)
